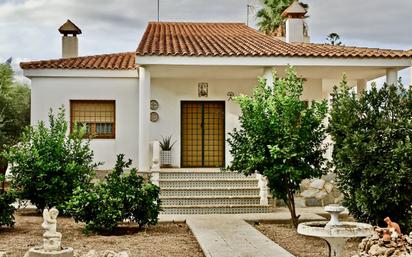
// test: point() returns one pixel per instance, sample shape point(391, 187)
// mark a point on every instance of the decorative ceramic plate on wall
point(154, 105)
point(154, 116)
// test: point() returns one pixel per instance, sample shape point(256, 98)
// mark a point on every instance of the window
point(98, 116)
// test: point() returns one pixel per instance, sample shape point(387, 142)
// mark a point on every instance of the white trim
point(31, 73)
point(272, 61)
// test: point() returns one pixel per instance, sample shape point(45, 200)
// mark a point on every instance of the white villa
point(180, 82)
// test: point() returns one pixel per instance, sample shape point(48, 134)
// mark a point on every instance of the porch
point(172, 85)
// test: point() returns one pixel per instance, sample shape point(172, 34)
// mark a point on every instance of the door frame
point(182, 132)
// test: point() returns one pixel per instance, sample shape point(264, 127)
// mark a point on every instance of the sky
point(28, 28)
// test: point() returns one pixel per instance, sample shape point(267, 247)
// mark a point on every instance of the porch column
point(267, 74)
point(361, 86)
point(391, 76)
point(144, 119)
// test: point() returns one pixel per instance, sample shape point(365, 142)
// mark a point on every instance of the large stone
point(3, 254)
point(330, 177)
point(304, 185)
point(376, 250)
point(309, 193)
point(39, 252)
point(317, 183)
point(321, 194)
point(310, 202)
point(300, 202)
point(328, 187)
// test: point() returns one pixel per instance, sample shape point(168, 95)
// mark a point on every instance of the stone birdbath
point(335, 232)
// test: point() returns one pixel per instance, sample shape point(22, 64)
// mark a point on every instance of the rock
point(328, 187)
point(310, 202)
point(376, 250)
point(320, 195)
point(3, 254)
point(91, 253)
point(329, 177)
point(309, 193)
point(114, 254)
point(304, 185)
point(317, 183)
point(300, 202)
point(389, 252)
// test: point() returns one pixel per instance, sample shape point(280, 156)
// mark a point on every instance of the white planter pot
point(166, 158)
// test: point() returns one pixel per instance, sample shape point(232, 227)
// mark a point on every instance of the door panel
point(203, 134)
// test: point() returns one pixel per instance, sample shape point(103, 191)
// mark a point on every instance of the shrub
point(48, 164)
point(6, 208)
point(121, 197)
point(373, 152)
point(280, 137)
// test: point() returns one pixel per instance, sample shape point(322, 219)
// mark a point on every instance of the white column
point(144, 119)
point(268, 75)
point(391, 76)
point(361, 86)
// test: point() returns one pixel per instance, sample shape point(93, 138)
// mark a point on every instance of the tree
point(14, 110)
point(280, 137)
point(270, 16)
point(334, 39)
point(49, 163)
point(372, 152)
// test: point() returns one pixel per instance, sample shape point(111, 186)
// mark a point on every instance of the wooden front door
point(203, 134)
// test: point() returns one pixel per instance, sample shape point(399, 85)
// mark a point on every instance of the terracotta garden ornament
point(392, 225)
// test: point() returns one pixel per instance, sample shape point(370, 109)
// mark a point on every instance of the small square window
point(98, 116)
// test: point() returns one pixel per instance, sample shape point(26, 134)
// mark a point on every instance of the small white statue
point(51, 238)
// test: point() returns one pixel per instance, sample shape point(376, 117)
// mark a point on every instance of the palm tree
point(334, 39)
point(270, 20)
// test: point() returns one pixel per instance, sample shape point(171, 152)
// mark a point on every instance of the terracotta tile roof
point(237, 39)
point(118, 61)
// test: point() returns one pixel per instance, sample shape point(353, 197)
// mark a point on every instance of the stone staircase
point(209, 191)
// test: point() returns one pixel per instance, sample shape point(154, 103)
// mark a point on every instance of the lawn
point(171, 240)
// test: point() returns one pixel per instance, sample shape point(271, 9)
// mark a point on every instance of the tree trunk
point(3, 169)
point(290, 202)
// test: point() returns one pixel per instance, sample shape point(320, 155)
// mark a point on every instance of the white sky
point(28, 28)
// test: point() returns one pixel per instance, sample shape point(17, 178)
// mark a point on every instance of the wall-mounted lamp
point(202, 89)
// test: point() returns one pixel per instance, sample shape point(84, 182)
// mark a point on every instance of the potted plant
point(166, 145)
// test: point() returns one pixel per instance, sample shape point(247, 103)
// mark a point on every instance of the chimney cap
point(69, 28)
point(295, 10)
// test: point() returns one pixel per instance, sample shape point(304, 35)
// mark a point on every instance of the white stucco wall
point(51, 92)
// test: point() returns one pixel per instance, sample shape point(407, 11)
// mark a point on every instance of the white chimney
point(70, 44)
point(295, 15)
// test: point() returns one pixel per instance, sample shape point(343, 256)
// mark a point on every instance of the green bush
point(280, 137)
point(373, 152)
point(6, 209)
point(48, 163)
point(120, 197)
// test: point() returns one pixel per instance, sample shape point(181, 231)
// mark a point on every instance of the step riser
point(211, 201)
point(224, 210)
point(208, 184)
point(210, 192)
point(197, 176)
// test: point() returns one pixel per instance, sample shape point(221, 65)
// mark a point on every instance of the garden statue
point(51, 238)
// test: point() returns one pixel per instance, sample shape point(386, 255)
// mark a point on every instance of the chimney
point(70, 43)
point(295, 31)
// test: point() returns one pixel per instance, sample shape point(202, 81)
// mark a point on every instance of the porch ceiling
point(248, 72)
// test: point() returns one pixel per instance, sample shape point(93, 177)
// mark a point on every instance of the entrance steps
point(209, 191)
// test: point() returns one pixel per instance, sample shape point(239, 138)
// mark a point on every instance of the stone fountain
point(335, 232)
point(51, 238)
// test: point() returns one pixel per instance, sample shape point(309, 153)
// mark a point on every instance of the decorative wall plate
point(154, 105)
point(154, 116)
